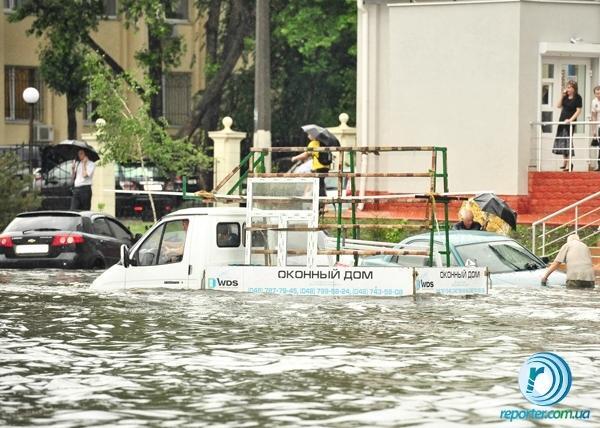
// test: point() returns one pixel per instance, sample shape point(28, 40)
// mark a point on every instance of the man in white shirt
point(578, 258)
point(596, 118)
point(82, 171)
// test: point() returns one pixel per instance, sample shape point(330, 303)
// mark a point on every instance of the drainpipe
point(363, 92)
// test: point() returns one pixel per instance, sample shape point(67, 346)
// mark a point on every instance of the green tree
point(15, 189)
point(228, 24)
point(133, 134)
point(313, 67)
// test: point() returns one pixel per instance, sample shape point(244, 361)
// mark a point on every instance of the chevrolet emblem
point(31, 241)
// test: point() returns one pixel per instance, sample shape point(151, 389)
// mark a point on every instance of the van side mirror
point(137, 237)
point(125, 260)
point(546, 259)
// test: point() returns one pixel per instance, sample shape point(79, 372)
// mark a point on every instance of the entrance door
point(556, 72)
point(162, 259)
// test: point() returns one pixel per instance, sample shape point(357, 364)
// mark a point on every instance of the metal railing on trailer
point(256, 168)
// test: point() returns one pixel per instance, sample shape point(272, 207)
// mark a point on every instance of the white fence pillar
point(226, 154)
point(347, 137)
point(103, 183)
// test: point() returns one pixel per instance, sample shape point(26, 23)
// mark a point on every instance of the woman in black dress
point(571, 104)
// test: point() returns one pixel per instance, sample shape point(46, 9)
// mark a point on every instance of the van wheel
point(98, 264)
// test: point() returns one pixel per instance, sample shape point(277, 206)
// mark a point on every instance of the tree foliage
point(228, 24)
point(133, 135)
point(15, 188)
point(313, 69)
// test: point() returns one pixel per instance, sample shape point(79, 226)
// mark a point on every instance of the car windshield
point(44, 223)
point(499, 257)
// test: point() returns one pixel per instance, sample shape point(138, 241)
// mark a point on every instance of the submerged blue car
point(509, 263)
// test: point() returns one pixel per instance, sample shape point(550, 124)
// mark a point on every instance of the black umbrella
point(68, 149)
point(321, 134)
point(492, 204)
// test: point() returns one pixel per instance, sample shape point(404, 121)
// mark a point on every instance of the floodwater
point(71, 357)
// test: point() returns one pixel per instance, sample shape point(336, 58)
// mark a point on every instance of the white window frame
point(185, 20)
point(12, 5)
point(13, 96)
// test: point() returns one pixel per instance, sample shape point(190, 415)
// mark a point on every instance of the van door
point(162, 259)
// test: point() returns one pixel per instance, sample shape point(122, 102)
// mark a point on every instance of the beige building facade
point(475, 77)
point(19, 65)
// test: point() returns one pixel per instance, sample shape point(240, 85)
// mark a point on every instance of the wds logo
point(216, 282)
point(545, 379)
point(424, 284)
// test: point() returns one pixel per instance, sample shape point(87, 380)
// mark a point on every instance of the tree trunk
point(71, 119)
point(239, 26)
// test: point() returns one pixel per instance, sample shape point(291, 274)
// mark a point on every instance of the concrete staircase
point(551, 191)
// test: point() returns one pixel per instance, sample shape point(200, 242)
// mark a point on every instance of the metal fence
point(54, 182)
point(582, 156)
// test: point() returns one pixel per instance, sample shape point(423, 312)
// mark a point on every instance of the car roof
point(462, 237)
point(63, 213)
point(211, 211)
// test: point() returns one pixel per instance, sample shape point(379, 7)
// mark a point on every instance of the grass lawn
point(137, 226)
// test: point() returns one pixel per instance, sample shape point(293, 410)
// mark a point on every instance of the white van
point(178, 249)
point(204, 248)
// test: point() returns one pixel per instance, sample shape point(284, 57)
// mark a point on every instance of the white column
point(226, 153)
point(347, 137)
point(103, 183)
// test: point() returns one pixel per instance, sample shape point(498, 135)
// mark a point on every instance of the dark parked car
point(63, 239)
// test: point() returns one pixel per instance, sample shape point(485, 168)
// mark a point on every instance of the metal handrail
point(593, 125)
point(575, 221)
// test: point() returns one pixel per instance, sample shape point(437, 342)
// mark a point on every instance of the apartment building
point(20, 69)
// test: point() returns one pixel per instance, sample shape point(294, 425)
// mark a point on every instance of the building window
point(177, 95)
point(10, 5)
point(89, 111)
point(178, 10)
point(16, 79)
point(110, 8)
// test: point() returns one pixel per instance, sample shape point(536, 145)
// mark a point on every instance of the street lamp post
point(31, 96)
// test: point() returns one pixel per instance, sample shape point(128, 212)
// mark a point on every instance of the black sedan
point(63, 239)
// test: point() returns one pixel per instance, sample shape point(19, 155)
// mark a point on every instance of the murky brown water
point(70, 357)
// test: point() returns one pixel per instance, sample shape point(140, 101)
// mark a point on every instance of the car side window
point(119, 231)
point(228, 235)
point(173, 242)
point(147, 253)
point(100, 227)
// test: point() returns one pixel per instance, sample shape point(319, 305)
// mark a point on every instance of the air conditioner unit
point(44, 133)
